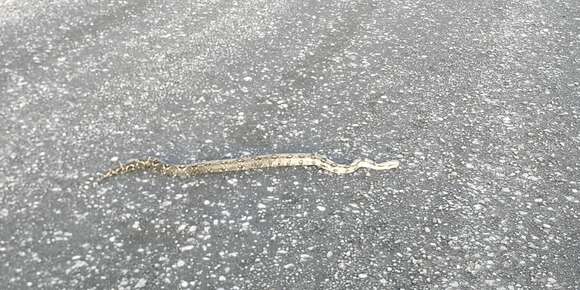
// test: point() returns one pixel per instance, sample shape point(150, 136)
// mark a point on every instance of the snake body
point(248, 163)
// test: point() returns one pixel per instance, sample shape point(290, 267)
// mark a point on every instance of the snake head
point(389, 164)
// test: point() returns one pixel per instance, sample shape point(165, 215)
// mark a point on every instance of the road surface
point(478, 100)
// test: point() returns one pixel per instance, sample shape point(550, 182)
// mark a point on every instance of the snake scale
point(248, 163)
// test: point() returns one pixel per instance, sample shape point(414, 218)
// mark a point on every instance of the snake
point(247, 163)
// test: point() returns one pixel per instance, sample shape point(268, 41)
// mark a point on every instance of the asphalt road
point(479, 100)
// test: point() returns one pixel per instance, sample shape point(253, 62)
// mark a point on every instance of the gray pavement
point(479, 100)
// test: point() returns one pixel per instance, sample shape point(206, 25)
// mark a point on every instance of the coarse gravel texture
point(479, 100)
